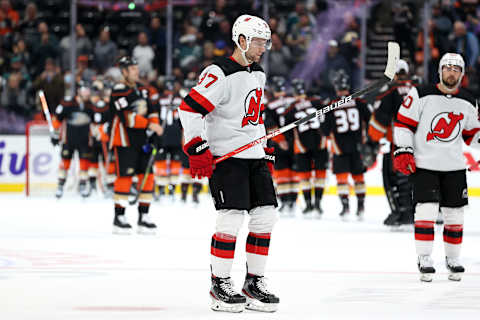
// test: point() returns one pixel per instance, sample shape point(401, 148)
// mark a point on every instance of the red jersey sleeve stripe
point(468, 135)
point(407, 120)
point(402, 125)
point(186, 107)
point(201, 100)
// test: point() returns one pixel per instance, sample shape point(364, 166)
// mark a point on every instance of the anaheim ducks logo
point(253, 108)
point(445, 127)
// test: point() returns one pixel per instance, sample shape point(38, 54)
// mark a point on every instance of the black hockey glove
point(368, 152)
point(270, 158)
point(54, 138)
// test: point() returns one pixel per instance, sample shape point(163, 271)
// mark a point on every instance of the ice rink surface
point(60, 260)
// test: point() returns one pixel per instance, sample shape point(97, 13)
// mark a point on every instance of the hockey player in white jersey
point(228, 101)
point(430, 126)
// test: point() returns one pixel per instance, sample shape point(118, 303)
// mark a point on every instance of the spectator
point(20, 50)
point(52, 83)
point(84, 73)
point(224, 32)
point(17, 67)
point(45, 46)
point(8, 18)
point(144, 53)
point(402, 27)
point(466, 44)
point(280, 58)
point(105, 51)
point(208, 54)
point(157, 39)
point(189, 52)
point(29, 25)
point(349, 47)
point(83, 46)
point(334, 62)
point(14, 97)
point(300, 37)
point(212, 19)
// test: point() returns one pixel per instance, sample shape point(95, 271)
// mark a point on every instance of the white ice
point(60, 260)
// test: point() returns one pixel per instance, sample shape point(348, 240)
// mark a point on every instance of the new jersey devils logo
point(253, 108)
point(445, 126)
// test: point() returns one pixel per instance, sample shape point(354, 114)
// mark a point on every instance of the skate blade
point(217, 305)
point(455, 276)
point(360, 218)
point(146, 231)
point(255, 305)
point(344, 218)
point(121, 231)
point(426, 277)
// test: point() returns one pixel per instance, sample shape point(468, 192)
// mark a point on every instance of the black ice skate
point(224, 297)
point(393, 219)
point(345, 209)
point(318, 208)
point(425, 266)
point(83, 189)
point(455, 269)
point(59, 192)
point(145, 225)
point(121, 225)
point(360, 211)
point(308, 211)
point(258, 297)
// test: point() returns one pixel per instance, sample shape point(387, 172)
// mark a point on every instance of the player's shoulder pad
point(228, 66)
point(466, 95)
point(425, 90)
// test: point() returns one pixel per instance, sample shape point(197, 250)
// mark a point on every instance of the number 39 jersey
point(308, 136)
point(434, 124)
point(346, 126)
point(225, 108)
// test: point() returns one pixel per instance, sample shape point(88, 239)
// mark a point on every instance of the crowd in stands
point(35, 43)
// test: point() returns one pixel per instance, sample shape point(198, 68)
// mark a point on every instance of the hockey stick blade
point(392, 60)
point(390, 69)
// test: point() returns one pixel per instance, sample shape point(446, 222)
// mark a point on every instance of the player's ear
point(242, 41)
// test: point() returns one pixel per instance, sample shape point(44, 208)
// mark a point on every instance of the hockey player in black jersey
point(133, 113)
point(71, 122)
point(167, 162)
point(310, 148)
point(397, 187)
point(99, 151)
point(221, 113)
point(275, 117)
point(346, 126)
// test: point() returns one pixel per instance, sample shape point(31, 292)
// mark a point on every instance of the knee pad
point(427, 211)
point(452, 215)
point(229, 221)
point(262, 219)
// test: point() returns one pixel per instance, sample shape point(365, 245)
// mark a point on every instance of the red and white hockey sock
point(257, 252)
point(424, 236)
point(221, 254)
point(452, 238)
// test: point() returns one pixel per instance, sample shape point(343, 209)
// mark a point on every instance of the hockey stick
point(144, 180)
point(390, 69)
point(46, 112)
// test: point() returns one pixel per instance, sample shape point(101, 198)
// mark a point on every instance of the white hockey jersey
point(225, 108)
point(434, 124)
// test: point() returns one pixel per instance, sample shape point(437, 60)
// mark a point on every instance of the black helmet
point(298, 86)
point(126, 61)
point(341, 80)
point(278, 84)
point(169, 83)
